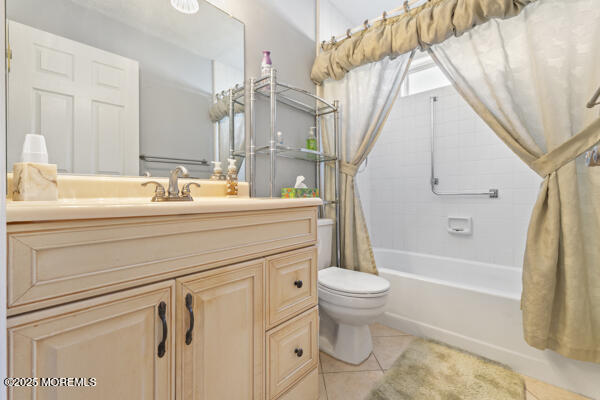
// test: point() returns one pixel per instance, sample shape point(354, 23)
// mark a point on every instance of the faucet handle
point(159, 192)
point(186, 191)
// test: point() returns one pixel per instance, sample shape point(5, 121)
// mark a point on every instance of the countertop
point(118, 207)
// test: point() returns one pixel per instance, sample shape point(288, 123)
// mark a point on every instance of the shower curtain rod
point(386, 14)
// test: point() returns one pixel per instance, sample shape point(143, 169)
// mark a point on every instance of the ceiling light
point(186, 6)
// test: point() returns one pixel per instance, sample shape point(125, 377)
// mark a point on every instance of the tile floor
point(341, 381)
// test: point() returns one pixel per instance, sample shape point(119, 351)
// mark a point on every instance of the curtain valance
point(421, 27)
point(220, 109)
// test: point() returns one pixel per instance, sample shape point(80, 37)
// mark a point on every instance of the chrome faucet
point(173, 193)
point(173, 181)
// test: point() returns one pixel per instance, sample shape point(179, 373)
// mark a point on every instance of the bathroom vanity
point(210, 299)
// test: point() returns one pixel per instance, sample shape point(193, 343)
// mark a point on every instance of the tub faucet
point(173, 180)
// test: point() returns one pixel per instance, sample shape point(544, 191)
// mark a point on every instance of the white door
point(84, 100)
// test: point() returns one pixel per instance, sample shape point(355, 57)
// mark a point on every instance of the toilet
point(348, 302)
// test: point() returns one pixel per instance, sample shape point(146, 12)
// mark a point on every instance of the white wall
point(404, 214)
point(332, 22)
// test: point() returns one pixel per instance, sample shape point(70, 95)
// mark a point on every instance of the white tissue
point(300, 183)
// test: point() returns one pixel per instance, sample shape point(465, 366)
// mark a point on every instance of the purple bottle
point(266, 66)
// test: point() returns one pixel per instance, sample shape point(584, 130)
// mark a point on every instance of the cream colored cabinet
point(292, 281)
point(124, 341)
point(186, 307)
point(292, 351)
point(306, 389)
point(220, 334)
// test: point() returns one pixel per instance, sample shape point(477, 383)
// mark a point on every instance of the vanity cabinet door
point(221, 355)
point(118, 340)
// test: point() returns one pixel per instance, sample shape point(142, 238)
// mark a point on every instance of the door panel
point(113, 338)
point(224, 359)
point(53, 114)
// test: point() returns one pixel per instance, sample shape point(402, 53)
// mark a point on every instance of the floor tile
point(350, 385)
point(322, 391)
point(382, 330)
point(388, 348)
point(330, 364)
point(545, 391)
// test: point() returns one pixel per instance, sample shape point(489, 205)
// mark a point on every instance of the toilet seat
point(344, 282)
point(325, 289)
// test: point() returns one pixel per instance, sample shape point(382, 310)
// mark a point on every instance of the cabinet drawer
point(292, 280)
point(51, 263)
point(292, 351)
point(306, 389)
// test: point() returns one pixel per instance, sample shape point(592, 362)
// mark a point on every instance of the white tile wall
point(402, 211)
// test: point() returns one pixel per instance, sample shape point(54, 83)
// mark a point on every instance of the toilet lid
point(348, 281)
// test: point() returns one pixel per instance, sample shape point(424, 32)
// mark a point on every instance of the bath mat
point(432, 371)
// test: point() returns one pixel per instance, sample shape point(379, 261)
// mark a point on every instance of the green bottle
point(311, 141)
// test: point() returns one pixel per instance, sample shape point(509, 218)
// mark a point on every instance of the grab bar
point(168, 160)
point(492, 193)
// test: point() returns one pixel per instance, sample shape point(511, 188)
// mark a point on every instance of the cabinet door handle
point(162, 314)
point(188, 305)
point(298, 283)
point(299, 352)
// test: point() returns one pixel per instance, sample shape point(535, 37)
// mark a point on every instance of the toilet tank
point(324, 241)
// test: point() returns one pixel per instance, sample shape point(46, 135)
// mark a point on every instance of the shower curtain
point(530, 78)
point(366, 96)
point(528, 69)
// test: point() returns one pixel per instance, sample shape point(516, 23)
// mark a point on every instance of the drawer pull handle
point(299, 352)
point(298, 283)
point(162, 314)
point(188, 305)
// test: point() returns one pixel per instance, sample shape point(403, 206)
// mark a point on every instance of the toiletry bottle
point(279, 137)
point(266, 66)
point(232, 179)
point(311, 141)
point(217, 172)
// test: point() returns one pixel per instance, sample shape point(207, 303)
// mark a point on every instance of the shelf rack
point(235, 96)
point(304, 101)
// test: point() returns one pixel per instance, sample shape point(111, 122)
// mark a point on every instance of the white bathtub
point(474, 306)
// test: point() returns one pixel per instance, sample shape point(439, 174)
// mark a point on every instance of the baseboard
point(575, 376)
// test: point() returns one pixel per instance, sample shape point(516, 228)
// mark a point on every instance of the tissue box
point(308, 192)
point(288, 193)
point(33, 181)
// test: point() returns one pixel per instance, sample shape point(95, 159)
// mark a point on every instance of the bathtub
point(473, 306)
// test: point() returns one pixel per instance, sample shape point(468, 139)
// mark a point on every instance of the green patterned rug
point(432, 371)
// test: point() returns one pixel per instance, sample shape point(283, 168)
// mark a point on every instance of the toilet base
point(349, 343)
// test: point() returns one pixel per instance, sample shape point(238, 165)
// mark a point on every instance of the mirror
point(121, 87)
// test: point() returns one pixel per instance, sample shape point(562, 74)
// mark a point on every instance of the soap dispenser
point(232, 179)
point(217, 172)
